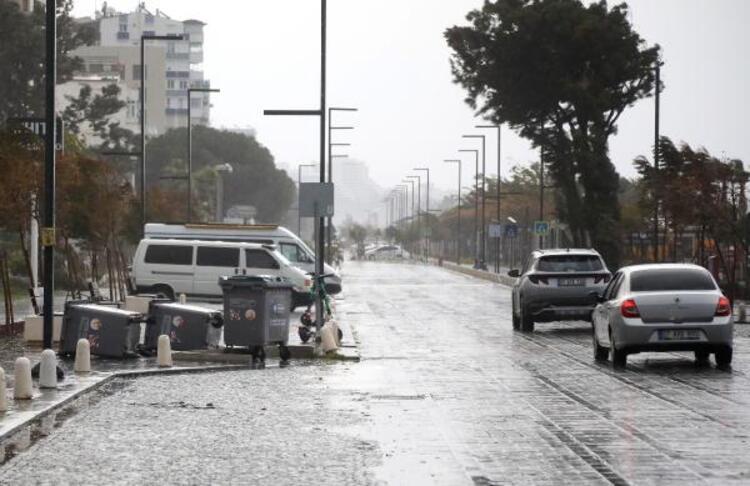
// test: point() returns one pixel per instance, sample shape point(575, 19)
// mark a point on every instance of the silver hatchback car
point(663, 307)
point(557, 285)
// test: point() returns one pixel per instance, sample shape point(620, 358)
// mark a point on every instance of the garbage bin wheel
point(304, 334)
point(341, 334)
point(284, 352)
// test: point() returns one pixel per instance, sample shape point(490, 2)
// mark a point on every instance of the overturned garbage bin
point(256, 313)
point(111, 332)
point(189, 327)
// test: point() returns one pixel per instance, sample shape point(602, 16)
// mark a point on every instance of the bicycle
point(308, 328)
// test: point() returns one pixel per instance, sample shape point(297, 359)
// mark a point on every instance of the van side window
point(218, 257)
point(260, 259)
point(169, 255)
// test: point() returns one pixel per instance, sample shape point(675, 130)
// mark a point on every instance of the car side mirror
point(514, 273)
point(596, 296)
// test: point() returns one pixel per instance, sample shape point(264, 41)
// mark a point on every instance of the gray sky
point(389, 59)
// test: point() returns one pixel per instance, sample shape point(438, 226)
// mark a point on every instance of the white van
point(288, 243)
point(172, 267)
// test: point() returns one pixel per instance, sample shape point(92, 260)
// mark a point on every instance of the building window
point(183, 85)
point(96, 68)
point(137, 72)
point(149, 32)
point(123, 27)
point(170, 47)
point(170, 84)
point(131, 109)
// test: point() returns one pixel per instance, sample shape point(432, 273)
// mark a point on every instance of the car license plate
point(571, 282)
point(679, 335)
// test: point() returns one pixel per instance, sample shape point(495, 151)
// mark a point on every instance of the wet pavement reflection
point(446, 393)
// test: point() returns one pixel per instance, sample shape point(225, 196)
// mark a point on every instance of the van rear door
point(211, 263)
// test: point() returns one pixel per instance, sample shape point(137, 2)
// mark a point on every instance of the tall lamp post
point(403, 192)
point(497, 189)
point(419, 207)
point(299, 181)
point(145, 38)
point(48, 232)
point(331, 128)
point(458, 215)
point(427, 208)
point(482, 239)
point(190, 92)
point(476, 202)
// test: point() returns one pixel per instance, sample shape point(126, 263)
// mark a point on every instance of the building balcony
point(123, 36)
point(178, 55)
point(178, 74)
point(177, 111)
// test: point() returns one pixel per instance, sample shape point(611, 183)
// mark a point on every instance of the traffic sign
point(38, 126)
point(541, 228)
point(316, 200)
point(495, 230)
point(511, 230)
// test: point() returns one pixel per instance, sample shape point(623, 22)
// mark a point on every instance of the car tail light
point(602, 278)
point(629, 309)
point(308, 283)
point(536, 280)
point(723, 308)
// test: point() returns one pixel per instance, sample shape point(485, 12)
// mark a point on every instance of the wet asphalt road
point(446, 393)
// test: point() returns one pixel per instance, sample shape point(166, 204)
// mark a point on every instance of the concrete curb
point(482, 274)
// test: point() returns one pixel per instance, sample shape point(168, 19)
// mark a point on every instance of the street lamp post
point(331, 128)
point(497, 189)
point(48, 240)
point(190, 91)
point(458, 216)
point(419, 206)
point(220, 170)
point(403, 191)
point(476, 202)
point(483, 239)
point(145, 38)
point(427, 208)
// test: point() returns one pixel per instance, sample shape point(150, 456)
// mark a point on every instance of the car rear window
point(570, 263)
point(671, 279)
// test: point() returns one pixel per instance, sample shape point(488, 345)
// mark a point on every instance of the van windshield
point(282, 258)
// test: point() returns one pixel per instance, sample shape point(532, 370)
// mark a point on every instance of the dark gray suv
point(557, 285)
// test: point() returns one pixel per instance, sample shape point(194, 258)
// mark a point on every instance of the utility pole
point(656, 162)
point(419, 204)
point(48, 232)
point(476, 204)
point(482, 238)
point(541, 187)
point(428, 234)
point(458, 215)
point(497, 190)
point(190, 92)
point(330, 163)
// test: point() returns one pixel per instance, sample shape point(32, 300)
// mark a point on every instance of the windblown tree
point(560, 73)
point(90, 112)
point(22, 55)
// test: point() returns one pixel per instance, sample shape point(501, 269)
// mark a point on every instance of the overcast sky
point(389, 59)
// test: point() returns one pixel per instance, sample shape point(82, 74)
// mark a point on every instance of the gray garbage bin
point(256, 313)
point(189, 327)
point(112, 332)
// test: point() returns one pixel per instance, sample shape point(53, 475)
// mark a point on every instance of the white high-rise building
point(184, 58)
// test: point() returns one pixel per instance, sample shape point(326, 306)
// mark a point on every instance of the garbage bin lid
point(268, 281)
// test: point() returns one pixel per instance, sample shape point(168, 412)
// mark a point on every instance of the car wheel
point(527, 323)
point(619, 357)
point(724, 357)
point(516, 319)
point(600, 352)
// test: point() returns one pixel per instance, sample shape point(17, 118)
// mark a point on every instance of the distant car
point(557, 285)
point(663, 307)
point(385, 252)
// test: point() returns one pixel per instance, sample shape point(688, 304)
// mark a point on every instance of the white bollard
point(327, 341)
point(3, 397)
point(24, 389)
point(48, 370)
point(164, 351)
point(183, 299)
point(83, 357)
point(335, 332)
